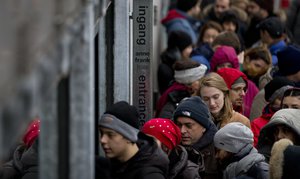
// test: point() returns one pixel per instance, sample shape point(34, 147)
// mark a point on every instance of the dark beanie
point(274, 85)
point(186, 5)
point(289, 60)
point(125, 112)
point(194, 108)
point(273, 26)
point(179, 39)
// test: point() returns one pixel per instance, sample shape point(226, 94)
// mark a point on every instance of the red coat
point(258, 123)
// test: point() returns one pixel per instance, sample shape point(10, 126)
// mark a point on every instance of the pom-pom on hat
point(165, 130)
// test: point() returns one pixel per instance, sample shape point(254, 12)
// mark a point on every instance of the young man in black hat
point(132, 154)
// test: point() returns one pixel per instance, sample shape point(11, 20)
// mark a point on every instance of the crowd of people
point(229, 103)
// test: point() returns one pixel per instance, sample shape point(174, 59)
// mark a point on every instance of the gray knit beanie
point(233, 137)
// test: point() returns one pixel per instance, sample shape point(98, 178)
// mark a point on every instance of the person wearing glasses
point(216, 94)
point(236, 82)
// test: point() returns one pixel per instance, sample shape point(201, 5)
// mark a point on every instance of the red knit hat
point(32, 132)
point(165, 130)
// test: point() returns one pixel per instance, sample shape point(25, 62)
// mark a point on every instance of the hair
point(185, 5)
point(292, 92)
point(215, 80)
point(185, 64)
point(206, 26)
point(230, 16)
point(229, 39)
point(259, 53)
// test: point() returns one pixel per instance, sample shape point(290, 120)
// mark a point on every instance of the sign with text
point(142, 58)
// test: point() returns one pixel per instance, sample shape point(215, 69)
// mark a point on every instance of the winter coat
point(177, 20)
point(165, 71)
point(236, 117)
point(180, 167)
point(286, 117)
point(168, 102)
point(206, 149)
point(249, 163)
point(24, 164)
point(284, 162)
point(274, 49)
point(258, 123)
point(148, 163)
point(258, 105)
point(230, 76)
point(102, 168)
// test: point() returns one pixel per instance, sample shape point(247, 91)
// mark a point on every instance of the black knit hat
point(274, 85)
point(273, 26)
point(125, 112)
point(289, 60)
point(194, 108)
point(179, 39)
point(186, 5)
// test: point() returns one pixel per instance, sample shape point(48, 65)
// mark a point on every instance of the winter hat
point(179, 39)
point(123, 118)
point(222, 55)
point(233, 137)
point(231, 76)
point(185, 5)
point(288, 60)
point(190, 75)
point(165, 130)
point(272, 88)
point(32, 132)
point(194, 108)
point(273, 26)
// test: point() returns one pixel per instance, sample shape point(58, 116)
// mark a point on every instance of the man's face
point(237, 94)
point(209, 35)
point(221, 6)
point(191, 130)
point(113, 143)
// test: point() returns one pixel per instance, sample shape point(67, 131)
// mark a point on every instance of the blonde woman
point(215, 93)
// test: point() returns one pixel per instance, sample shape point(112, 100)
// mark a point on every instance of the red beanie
point(165, 130)
point(32, 132)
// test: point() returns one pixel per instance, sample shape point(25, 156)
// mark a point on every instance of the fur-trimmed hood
point(277, 158)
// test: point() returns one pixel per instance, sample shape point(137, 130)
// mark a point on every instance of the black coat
point(150, 162)
point(24, 164)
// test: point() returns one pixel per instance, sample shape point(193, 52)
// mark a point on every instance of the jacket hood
point(230, 75)
point(172, 14)
point(287, 117)
point(222, 55)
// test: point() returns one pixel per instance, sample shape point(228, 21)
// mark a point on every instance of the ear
point(204, 129)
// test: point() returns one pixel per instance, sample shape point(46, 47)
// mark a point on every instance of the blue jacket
point(177, 20)
point(274, 49)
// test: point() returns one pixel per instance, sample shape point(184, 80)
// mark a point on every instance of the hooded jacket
point(148, 163)
point(258, 123)
point(205, 146)
point(286, 117)
point(230, 75)
point(177, 20)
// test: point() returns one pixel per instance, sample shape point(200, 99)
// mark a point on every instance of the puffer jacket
point(286, 117)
